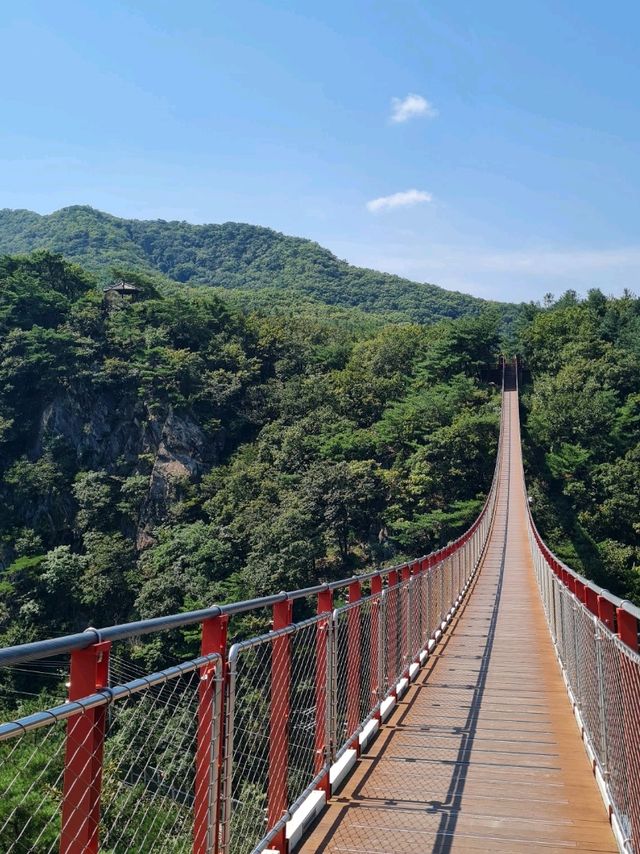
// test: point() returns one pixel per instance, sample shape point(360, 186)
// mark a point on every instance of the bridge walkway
point(482, 753)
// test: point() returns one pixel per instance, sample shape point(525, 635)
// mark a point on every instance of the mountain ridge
point(233, 256)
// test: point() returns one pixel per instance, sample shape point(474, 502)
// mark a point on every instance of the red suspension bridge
point(481, 698)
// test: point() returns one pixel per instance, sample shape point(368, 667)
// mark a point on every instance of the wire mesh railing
point(32, 763)
point(603, 678)
point(217, 753)
point(148, 777)
point(394, 633)
point(596, 636)
point(275, 683)
point(356, 683)
point(116, 766)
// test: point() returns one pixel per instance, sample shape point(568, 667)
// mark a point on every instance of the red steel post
point(374, 652)
point(591, 600)
point(84, 749)
point(443, 605)
point(405, 577)
point(353, 662)
point(279, 723)
point(322, 748)
point(627, 628)
point(607, 613)
point(391, 617)
point(209, 756)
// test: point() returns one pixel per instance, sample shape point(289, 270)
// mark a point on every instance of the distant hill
point(232, 256)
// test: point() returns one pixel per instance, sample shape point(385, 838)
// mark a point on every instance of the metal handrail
point(616, 601)
point(103, 698)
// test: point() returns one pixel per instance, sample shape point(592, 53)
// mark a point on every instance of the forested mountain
point(162, 452)
point(582, 434)
point(246, 258)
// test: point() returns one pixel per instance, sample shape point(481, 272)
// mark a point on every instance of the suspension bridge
point(484, 697)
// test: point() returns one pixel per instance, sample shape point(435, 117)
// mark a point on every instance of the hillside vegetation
point(164, 451)
point(169, 452)
point(253, 261)
point(582, 434)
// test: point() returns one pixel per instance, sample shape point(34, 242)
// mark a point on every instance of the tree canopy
point(582, 433)
point(257, 263)
point(162, 451)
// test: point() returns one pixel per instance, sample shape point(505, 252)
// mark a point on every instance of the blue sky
point(514, 169)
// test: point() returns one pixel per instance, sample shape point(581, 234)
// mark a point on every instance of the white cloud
point(412, 105)
point(399, 200)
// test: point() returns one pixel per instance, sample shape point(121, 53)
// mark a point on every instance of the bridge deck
point(482, 753)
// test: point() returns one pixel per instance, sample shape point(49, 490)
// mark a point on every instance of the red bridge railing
point(596, 637)
point(232, 751)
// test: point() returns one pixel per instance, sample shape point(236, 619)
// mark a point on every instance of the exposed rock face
point(99, 430)
point(180, 452)
point(112, 435)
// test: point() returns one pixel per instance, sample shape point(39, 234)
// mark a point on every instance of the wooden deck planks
point(483, 752)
